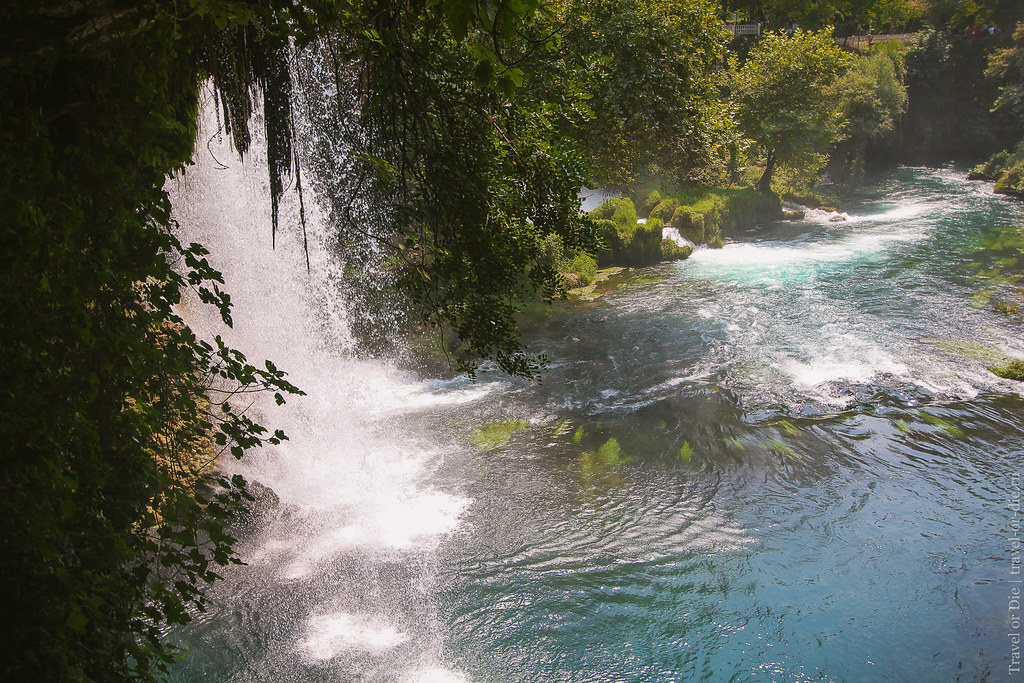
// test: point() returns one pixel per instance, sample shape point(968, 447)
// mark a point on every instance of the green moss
point(619, 210)
point(1007, 308)
point(689, 223)
point(670, 251)
point(650, 200)
point(991, 169)
point(1011, 181)
point(1012, 370)
point(496, 434)
point(664, 210)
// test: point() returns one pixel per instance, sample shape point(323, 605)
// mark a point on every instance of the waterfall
point(338, 576)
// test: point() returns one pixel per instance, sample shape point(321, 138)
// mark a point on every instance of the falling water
point(339, 572)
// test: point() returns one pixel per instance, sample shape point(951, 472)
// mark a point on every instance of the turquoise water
point(780, 461)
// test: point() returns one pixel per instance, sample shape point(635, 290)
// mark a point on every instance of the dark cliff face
point(949, 102)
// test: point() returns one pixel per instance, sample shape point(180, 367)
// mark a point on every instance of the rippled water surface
point(782, 460)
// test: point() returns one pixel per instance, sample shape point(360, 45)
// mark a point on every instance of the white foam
point(436, 675)
point(670, 233)
point(330, 635)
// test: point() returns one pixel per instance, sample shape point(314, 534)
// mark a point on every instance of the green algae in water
point(779, 447)
point(686, 452)
point(970, 350)
point(496, 434)
point(1012, 370)
point(943, 424)
point(734, 442)
point(902, 426)
point(789, 427)
point(577, 436)
point(561, 427)
point(610, 452)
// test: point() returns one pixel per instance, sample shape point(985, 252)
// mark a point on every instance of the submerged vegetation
point(470, 128)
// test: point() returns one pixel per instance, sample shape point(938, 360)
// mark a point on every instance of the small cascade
point(338, 567)
point(670, 233)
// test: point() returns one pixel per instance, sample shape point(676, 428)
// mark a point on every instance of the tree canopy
point(653, 71)
point(782, 98)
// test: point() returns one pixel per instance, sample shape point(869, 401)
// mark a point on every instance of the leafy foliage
point(872, 95)
point(459, 167)
point(781, 97)
point(112, 409)
point(653, 71)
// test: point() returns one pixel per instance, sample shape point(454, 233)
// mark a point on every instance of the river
point(783, 460)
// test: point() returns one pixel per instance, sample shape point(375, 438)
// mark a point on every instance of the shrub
point(584, 266)
point(610, 242)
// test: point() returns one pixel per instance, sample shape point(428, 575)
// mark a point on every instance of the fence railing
point(745, 28)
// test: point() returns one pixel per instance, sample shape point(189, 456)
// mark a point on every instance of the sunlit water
point(783, 460)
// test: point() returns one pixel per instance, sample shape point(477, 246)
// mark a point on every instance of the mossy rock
point(664, 210)
point(716, 243)
point(1011, 182)
point(1012, 370)
point(689, 223)
point(991, 169)
point(670, 251)
point(619, 210)
point(651, 200)
point(794, 215)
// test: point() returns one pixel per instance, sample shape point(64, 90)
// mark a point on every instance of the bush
point(584, 267)
point(610, 242)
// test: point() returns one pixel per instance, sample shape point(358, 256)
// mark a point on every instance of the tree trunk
point(765, 183)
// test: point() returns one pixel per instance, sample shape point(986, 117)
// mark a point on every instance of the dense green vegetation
point(703, 216)
point(1006, 167)
point(471, 127)
point(782, 95)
